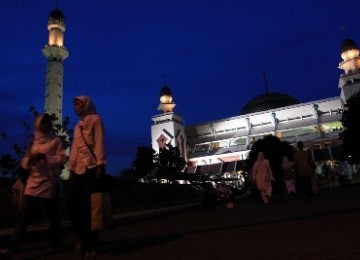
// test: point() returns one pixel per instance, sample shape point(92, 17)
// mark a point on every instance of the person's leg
point(29, 203)
point(79, 208)
point(264, 196)
point(307, 186)
point(53, 215)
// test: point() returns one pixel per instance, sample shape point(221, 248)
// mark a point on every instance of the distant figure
point(330, 173)
point(262, 177)
point(348, 171)
point(209, 199)
point(289, 176)
point(225, 195)
point(43, 158)
point(344, 173)
point(304, 168)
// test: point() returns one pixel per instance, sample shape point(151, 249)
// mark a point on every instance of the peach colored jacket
point(262, 174)
point(44, 178)
point(92, 127)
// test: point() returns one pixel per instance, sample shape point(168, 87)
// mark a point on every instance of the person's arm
point(74, 149)
point(99, 147)
point(270, 171)
point(99, 142)
point(58, 158)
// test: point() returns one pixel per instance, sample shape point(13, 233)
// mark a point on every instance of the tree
point(7, 163)
point(350, 135)
point(144, 162)
point(274, 149)
point(169, 162)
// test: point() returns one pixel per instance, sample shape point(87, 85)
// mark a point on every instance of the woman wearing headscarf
point(262, 177)
point(86, 164)
point(43, 158)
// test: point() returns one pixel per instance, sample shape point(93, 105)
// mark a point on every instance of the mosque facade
point(222, 145)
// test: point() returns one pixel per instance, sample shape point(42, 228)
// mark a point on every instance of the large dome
point(268, 101)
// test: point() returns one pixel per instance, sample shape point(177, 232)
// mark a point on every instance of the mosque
point(221, 146)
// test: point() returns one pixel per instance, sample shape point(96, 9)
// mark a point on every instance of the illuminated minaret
point(55, 52)
point(168, 127)
point(349, 82)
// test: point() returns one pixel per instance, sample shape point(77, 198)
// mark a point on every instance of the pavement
point(326, 227)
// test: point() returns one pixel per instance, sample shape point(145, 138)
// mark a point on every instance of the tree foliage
point(350, 135)
point(169, 162)
point(144, 162)
point(274, 149)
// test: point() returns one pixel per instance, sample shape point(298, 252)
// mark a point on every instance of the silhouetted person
point(304, 168)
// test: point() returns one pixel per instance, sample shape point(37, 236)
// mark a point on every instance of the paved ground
point(328, 227)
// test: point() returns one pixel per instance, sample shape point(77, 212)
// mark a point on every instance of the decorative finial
point(265, 83)
point(164, 79)
point(344, 31)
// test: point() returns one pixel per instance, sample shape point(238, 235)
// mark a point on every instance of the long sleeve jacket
point(81, 158)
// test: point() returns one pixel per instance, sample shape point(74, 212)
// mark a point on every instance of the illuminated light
point(165, 99)
point(350, 54)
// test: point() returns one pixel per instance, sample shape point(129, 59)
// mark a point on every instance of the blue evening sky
point(212, 52)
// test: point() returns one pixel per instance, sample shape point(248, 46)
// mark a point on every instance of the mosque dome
point(165, 91)
point(56, 20)
point(166, 102)
point(348, 45)
point(349, 50)
point(268, 101)
point(56, 14)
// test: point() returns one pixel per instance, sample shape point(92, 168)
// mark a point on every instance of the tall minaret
point(168, 127)
point(55, 52)
point(349, 82)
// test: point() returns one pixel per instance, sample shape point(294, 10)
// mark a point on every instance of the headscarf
point(260, 157)
point(89, 106)
point(40, 137)
point(89, 112)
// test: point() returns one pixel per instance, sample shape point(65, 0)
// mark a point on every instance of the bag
point(229, 205)
point(100, 210)
point(103, 184)
point(18, 188)
point(17, 194)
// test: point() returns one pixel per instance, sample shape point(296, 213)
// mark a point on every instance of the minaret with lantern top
point(168, 127)
point(56, 53)
point(349, 82)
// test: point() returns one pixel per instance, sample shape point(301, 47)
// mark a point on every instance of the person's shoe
point(8, 252)
point(89, 255)
point(53, 249)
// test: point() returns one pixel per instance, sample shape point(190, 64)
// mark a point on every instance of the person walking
point(43, 159)
point(304, 169)
point(289, 176)
point(262, 177)
point(87, 166)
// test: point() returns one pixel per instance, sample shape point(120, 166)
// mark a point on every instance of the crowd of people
point(299, 175)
